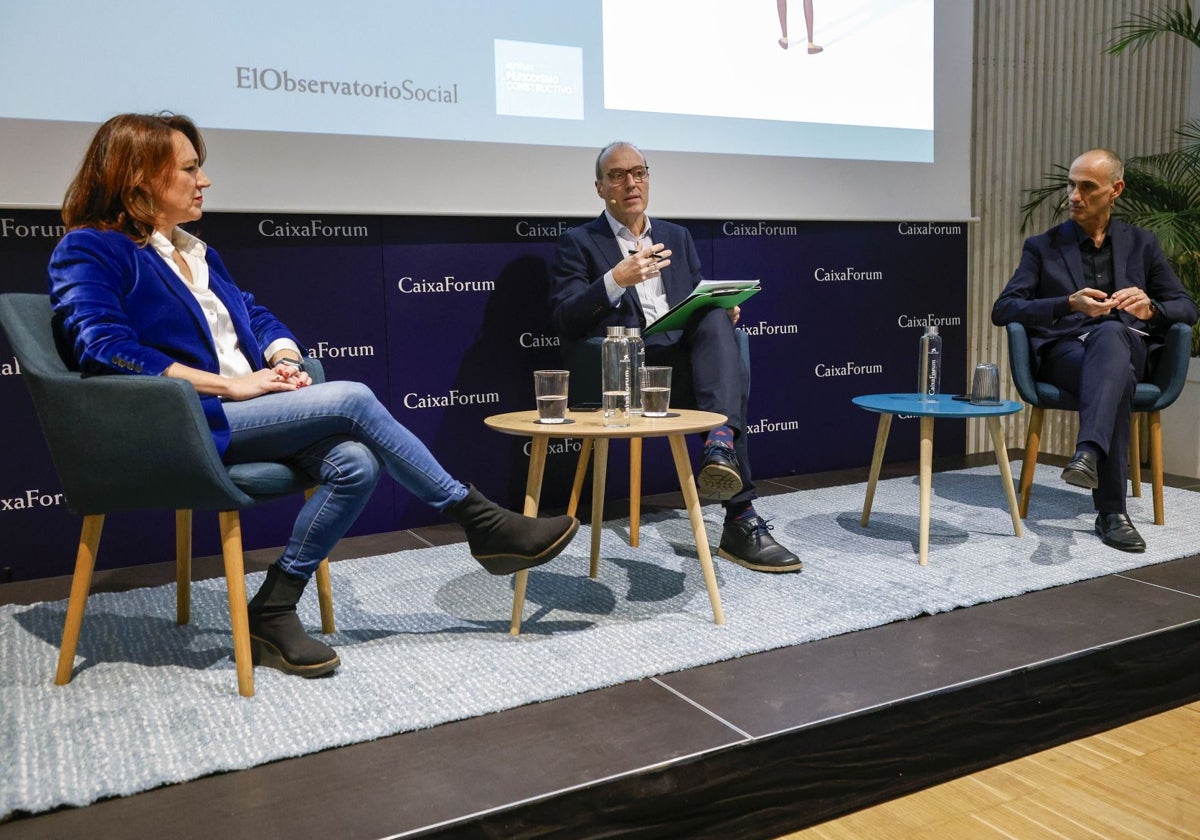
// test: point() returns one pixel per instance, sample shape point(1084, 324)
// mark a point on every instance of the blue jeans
point(343, 437)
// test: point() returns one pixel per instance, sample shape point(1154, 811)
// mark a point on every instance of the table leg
point(585, 453)
point(1005, 472)
point(926, 485)
point(533, 495)
point(599, 478)
point(635, 490)
point(687, 483)
point(881, 436)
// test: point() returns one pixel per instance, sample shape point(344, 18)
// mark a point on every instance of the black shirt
point(1098, 269)
point(1097, 263)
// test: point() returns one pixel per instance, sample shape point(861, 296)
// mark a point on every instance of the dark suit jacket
point(578, 298)
point(1051, 268)
point(119, 308)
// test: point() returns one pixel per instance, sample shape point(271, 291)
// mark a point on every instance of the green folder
point(723, 293)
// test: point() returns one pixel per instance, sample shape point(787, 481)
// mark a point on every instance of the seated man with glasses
point(626, 269)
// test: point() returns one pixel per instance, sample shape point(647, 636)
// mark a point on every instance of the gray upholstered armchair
point(123, 443)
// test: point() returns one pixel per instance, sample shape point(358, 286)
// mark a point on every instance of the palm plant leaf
point(1140, 30)
point(1148, 191)
point(1052, 193)
point(1177, 232)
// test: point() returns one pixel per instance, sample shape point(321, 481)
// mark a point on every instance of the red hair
point(129, 159)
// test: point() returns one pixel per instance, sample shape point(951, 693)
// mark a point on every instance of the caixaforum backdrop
point(445, 318)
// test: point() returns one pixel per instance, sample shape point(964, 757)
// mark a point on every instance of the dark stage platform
point(753, 747)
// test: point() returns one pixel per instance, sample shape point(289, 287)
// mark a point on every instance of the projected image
point(681, 75)
point(784, 41)
point(711, 58)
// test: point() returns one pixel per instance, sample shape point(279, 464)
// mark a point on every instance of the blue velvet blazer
point(119, 308)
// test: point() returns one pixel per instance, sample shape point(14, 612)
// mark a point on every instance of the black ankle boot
point(505, 542)
point(277, 638)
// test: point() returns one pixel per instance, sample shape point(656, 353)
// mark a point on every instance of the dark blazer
point(578, 300)
point(1051, 268)
point(119, 308)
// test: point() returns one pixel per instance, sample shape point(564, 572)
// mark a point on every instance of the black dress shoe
point(1081, 470)
point(719, 477)
point(1117, 531)
point(748, 542)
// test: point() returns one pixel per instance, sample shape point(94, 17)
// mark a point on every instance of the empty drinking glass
point(985, 388)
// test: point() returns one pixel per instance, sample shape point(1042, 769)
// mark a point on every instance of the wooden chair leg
point(325, 597)
point(635, 490)
point(1033, 440)
point(235, 581)
point(324, 587)
point(183, 566)
point(1135, 453)
point(81, 584)
point(1156, 466)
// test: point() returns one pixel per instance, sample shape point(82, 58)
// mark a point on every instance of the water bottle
point(614, 377)
point(929, 365)
point(637, 361)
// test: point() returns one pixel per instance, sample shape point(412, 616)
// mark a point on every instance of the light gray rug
point(422, 634)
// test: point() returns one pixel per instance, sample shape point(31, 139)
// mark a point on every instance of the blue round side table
point(888, 406)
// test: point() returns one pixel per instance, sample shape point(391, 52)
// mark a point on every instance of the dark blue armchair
point(123, 443)
point(1150, 398)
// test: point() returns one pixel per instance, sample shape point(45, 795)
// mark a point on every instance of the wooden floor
point(1141, 780)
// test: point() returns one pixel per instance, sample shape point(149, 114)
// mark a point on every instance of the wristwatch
point(298, 364)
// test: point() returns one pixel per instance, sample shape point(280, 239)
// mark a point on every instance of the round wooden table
point(944, 405)
point(589, 427)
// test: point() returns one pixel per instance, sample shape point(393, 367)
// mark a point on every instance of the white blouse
point(220, 324)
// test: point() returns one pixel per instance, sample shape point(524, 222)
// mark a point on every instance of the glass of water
point(550, 389)
point(656, 391)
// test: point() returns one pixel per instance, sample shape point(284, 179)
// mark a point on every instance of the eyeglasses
point(618, 176)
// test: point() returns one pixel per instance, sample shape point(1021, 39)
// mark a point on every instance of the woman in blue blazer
point(135, 294)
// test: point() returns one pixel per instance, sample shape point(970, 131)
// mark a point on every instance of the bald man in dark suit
point(1096, 295)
